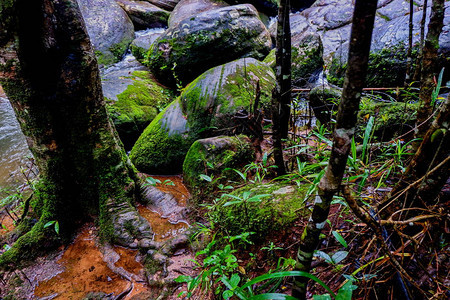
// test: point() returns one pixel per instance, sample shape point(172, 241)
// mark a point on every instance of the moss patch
point(137, 106)
point(280, 209)
point(213, 157)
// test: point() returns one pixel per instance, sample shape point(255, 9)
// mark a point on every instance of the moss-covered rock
point(306, 58)
point(323, 100)
point(391, 118)
point(144, 14)
point(387, 67)
point(205, 109)
point(143, 41)
point(189, 8)
point(110, 29)
point(137, 105)
point(211, 100)
point(279, 209)
point(212, 156)
point(164, 143)
point(209, 39)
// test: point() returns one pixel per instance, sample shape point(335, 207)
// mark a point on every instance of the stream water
point(13, 147)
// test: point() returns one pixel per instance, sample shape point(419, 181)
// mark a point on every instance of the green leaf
point(57, 227)
point(232, 203)
point(367, 135)
point(345, 292)
point(340, 239)
point(183, 278)
point(49, 223)
point(205, 177)
point(234, 280)
point(286, 274)
point(323, 255)
point(272, 296)
point(339, 256)
point(322, 297)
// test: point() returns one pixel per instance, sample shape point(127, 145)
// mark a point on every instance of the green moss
point(113, 54)
point(157, 150)
point(387, 68)
point(272, 213)
point(137, 106)
point(216, 157)
point(391, 118)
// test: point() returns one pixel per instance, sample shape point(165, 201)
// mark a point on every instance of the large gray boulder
point(133, 98)
point(164, 4)
point(143, 41)
point(205, 109)
point(109, 27)
point(144, 14)
point(306, 54)
point(209, 39)
point(387, 62)
point(188, 8)
point(268, 7)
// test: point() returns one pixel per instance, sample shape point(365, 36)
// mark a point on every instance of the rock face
point(209, 39)
point(190, 8)
point(109, 28)
point(268, 7)
point(324, 100)
point(143, 41)
point(144, 15)
point(165, 4)
point(387, 63)
point(133, 97)
point(212, 156)
point(205, 108)
point(307, 52)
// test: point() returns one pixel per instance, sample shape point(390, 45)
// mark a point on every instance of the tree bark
point(281, 96)
point(410, 44)
point(428, 71)
point(417, 71)
point(360, 40)
point(49, 72)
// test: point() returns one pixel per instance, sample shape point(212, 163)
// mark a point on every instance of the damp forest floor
point(86, 269)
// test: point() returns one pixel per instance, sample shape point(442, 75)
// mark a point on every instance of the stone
point(143, 42)
point(165, 4)
point(144, 14)
point(133, 98)
point(109, 27)
point(306, 58)
point(216, 157)
point(205, 109)
point(209, 39)
point(189, 8)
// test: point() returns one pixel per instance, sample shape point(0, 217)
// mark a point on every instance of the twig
point(365, 217)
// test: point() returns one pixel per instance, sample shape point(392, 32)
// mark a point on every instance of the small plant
point(150, 181)
point(53, 223)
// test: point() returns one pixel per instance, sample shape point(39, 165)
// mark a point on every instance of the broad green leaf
point(183, 278)
point(205, 177)
point(272, 296)
point(339, 256)
point(322, 297)
point(49, 223)
point(323, 255)
point(340, 238)
point(345, 292)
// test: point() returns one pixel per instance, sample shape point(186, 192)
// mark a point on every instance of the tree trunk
point(429, 65)
point(50, 74)
point(410, 44)
point(281, 97)
point(417, 71)
point(360, 40)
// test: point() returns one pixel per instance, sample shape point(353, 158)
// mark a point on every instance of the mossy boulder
point(189, 8)
point(143, 41)
point(109, 27)
point(281, 207)
point(206, 40)
point(306, 58)
point(268, 7)
point(134, 99)
point(162, 146)
point(324, 100)
point(165, 4)
point(144, 14)
point(391, 118)
point(205, 109)
point(387, 67)
point(213, 156)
